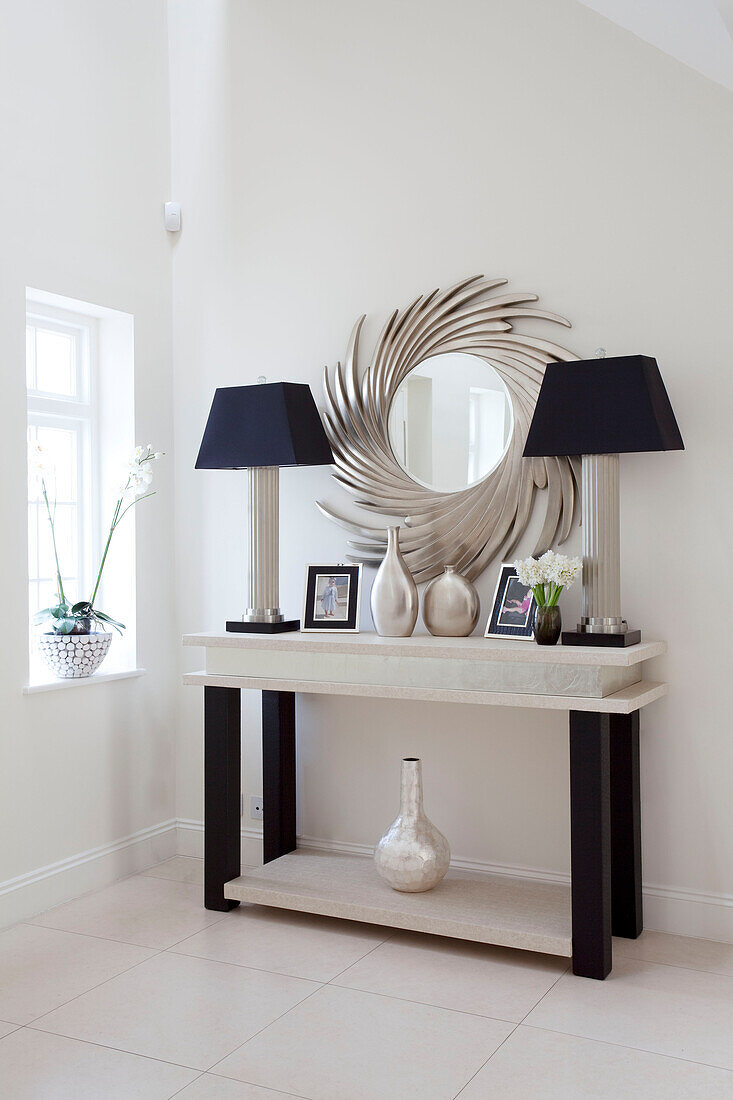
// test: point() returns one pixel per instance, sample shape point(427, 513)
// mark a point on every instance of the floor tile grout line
point(270, 1088)
point(259, 1031)
point(206, 927)
point(169, 878)
point(424, 1004)
point(625, 1046)
point(110, 939)
point(516, 1026)
point(89, 894)
point(188, 1084)
point(87, 935)
point(564, 974)
point(156, 953)
point(30, 923)
point(483, 1064)
point(91, 989)
point(243, 966)
point(262, 969)
point(675, 966)
point(361, 958)
point(109, 1046)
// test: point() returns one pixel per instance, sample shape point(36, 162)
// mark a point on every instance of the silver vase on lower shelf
point(394, 600)
point(412, 856)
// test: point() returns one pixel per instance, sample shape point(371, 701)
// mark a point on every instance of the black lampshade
point(270, 424)
point(603, 406)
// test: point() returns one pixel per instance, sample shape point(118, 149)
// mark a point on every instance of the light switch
point(173, 216)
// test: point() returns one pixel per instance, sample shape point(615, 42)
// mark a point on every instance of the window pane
point(43, 594)
point(30, 357)
point(55, 371)
point(32, 548)
point(59, 447)
point(65, 524)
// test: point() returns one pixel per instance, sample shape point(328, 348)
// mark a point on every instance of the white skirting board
point(26, 895)
point(666, 908)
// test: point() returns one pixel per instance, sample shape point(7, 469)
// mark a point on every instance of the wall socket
point(256, 807)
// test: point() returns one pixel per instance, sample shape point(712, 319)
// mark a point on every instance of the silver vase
point(394, 599)
point(451, 606)
point(412, 856)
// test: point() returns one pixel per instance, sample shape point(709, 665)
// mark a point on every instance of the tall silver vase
point(412, 856)
point(394, 599)
point(450, 605)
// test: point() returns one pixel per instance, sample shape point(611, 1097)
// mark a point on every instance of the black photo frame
point(509, 617)
point(332, 612)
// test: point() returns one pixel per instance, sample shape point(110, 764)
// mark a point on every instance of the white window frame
point(80, 414)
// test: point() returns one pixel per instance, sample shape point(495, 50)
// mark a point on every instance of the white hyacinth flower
point(530, 572)
point(565, 570)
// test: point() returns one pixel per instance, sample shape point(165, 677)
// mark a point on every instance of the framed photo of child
point(332, 598)
point(512, 612)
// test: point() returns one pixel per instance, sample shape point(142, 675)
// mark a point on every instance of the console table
point(601, 689)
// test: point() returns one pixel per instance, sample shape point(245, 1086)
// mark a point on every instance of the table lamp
point(598, 408)
point(260, 428)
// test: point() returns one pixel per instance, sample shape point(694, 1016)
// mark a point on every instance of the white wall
point(336, 158)
point(84, 132)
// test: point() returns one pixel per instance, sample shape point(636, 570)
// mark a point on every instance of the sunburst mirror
point(433, 432)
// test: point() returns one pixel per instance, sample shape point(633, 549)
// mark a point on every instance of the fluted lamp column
point(599, 408)
point(261, 428)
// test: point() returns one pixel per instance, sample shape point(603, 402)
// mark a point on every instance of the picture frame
point(513, 607)
point(332, 599)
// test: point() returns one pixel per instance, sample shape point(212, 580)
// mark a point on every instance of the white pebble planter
point(72, 656)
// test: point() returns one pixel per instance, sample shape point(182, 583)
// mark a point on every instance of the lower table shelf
point(509, 912)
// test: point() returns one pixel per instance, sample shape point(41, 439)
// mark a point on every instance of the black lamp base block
point(238, 627)
point(577, 637)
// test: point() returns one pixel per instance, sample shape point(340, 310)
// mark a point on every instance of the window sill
point(82, 681)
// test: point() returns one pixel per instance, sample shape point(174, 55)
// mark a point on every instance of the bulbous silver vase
point(412, 856)
point(394, 600)
point(450, 605)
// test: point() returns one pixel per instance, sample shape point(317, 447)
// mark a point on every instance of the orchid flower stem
point(59, 582)
point(101, 567)
point(119, 512)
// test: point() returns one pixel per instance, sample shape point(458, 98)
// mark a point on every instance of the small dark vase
point(547, 625)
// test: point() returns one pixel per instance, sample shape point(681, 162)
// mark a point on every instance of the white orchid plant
point(78, 618)
point(548, 575)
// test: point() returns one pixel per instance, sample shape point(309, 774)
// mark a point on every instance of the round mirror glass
point(450, 421)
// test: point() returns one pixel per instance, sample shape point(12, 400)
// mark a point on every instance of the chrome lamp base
point(601, 623)
point(263, 616)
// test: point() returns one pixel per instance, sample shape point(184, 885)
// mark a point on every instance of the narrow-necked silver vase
point(450, 605)
point(412, 856)
point(394, 599)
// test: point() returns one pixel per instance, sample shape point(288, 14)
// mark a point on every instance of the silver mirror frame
point(470, 527)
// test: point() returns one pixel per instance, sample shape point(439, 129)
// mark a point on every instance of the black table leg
point(222, 793)
point(278, 773)
point(627, 919)
point(590, 836)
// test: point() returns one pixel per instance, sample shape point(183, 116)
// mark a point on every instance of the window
point(60, 379)
point(81, 410)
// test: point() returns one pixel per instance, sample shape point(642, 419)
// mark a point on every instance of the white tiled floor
point(137, 991)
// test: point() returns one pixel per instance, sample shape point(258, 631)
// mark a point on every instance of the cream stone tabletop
point(474, 648)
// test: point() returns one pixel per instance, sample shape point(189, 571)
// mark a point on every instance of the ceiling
point(696, 32)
